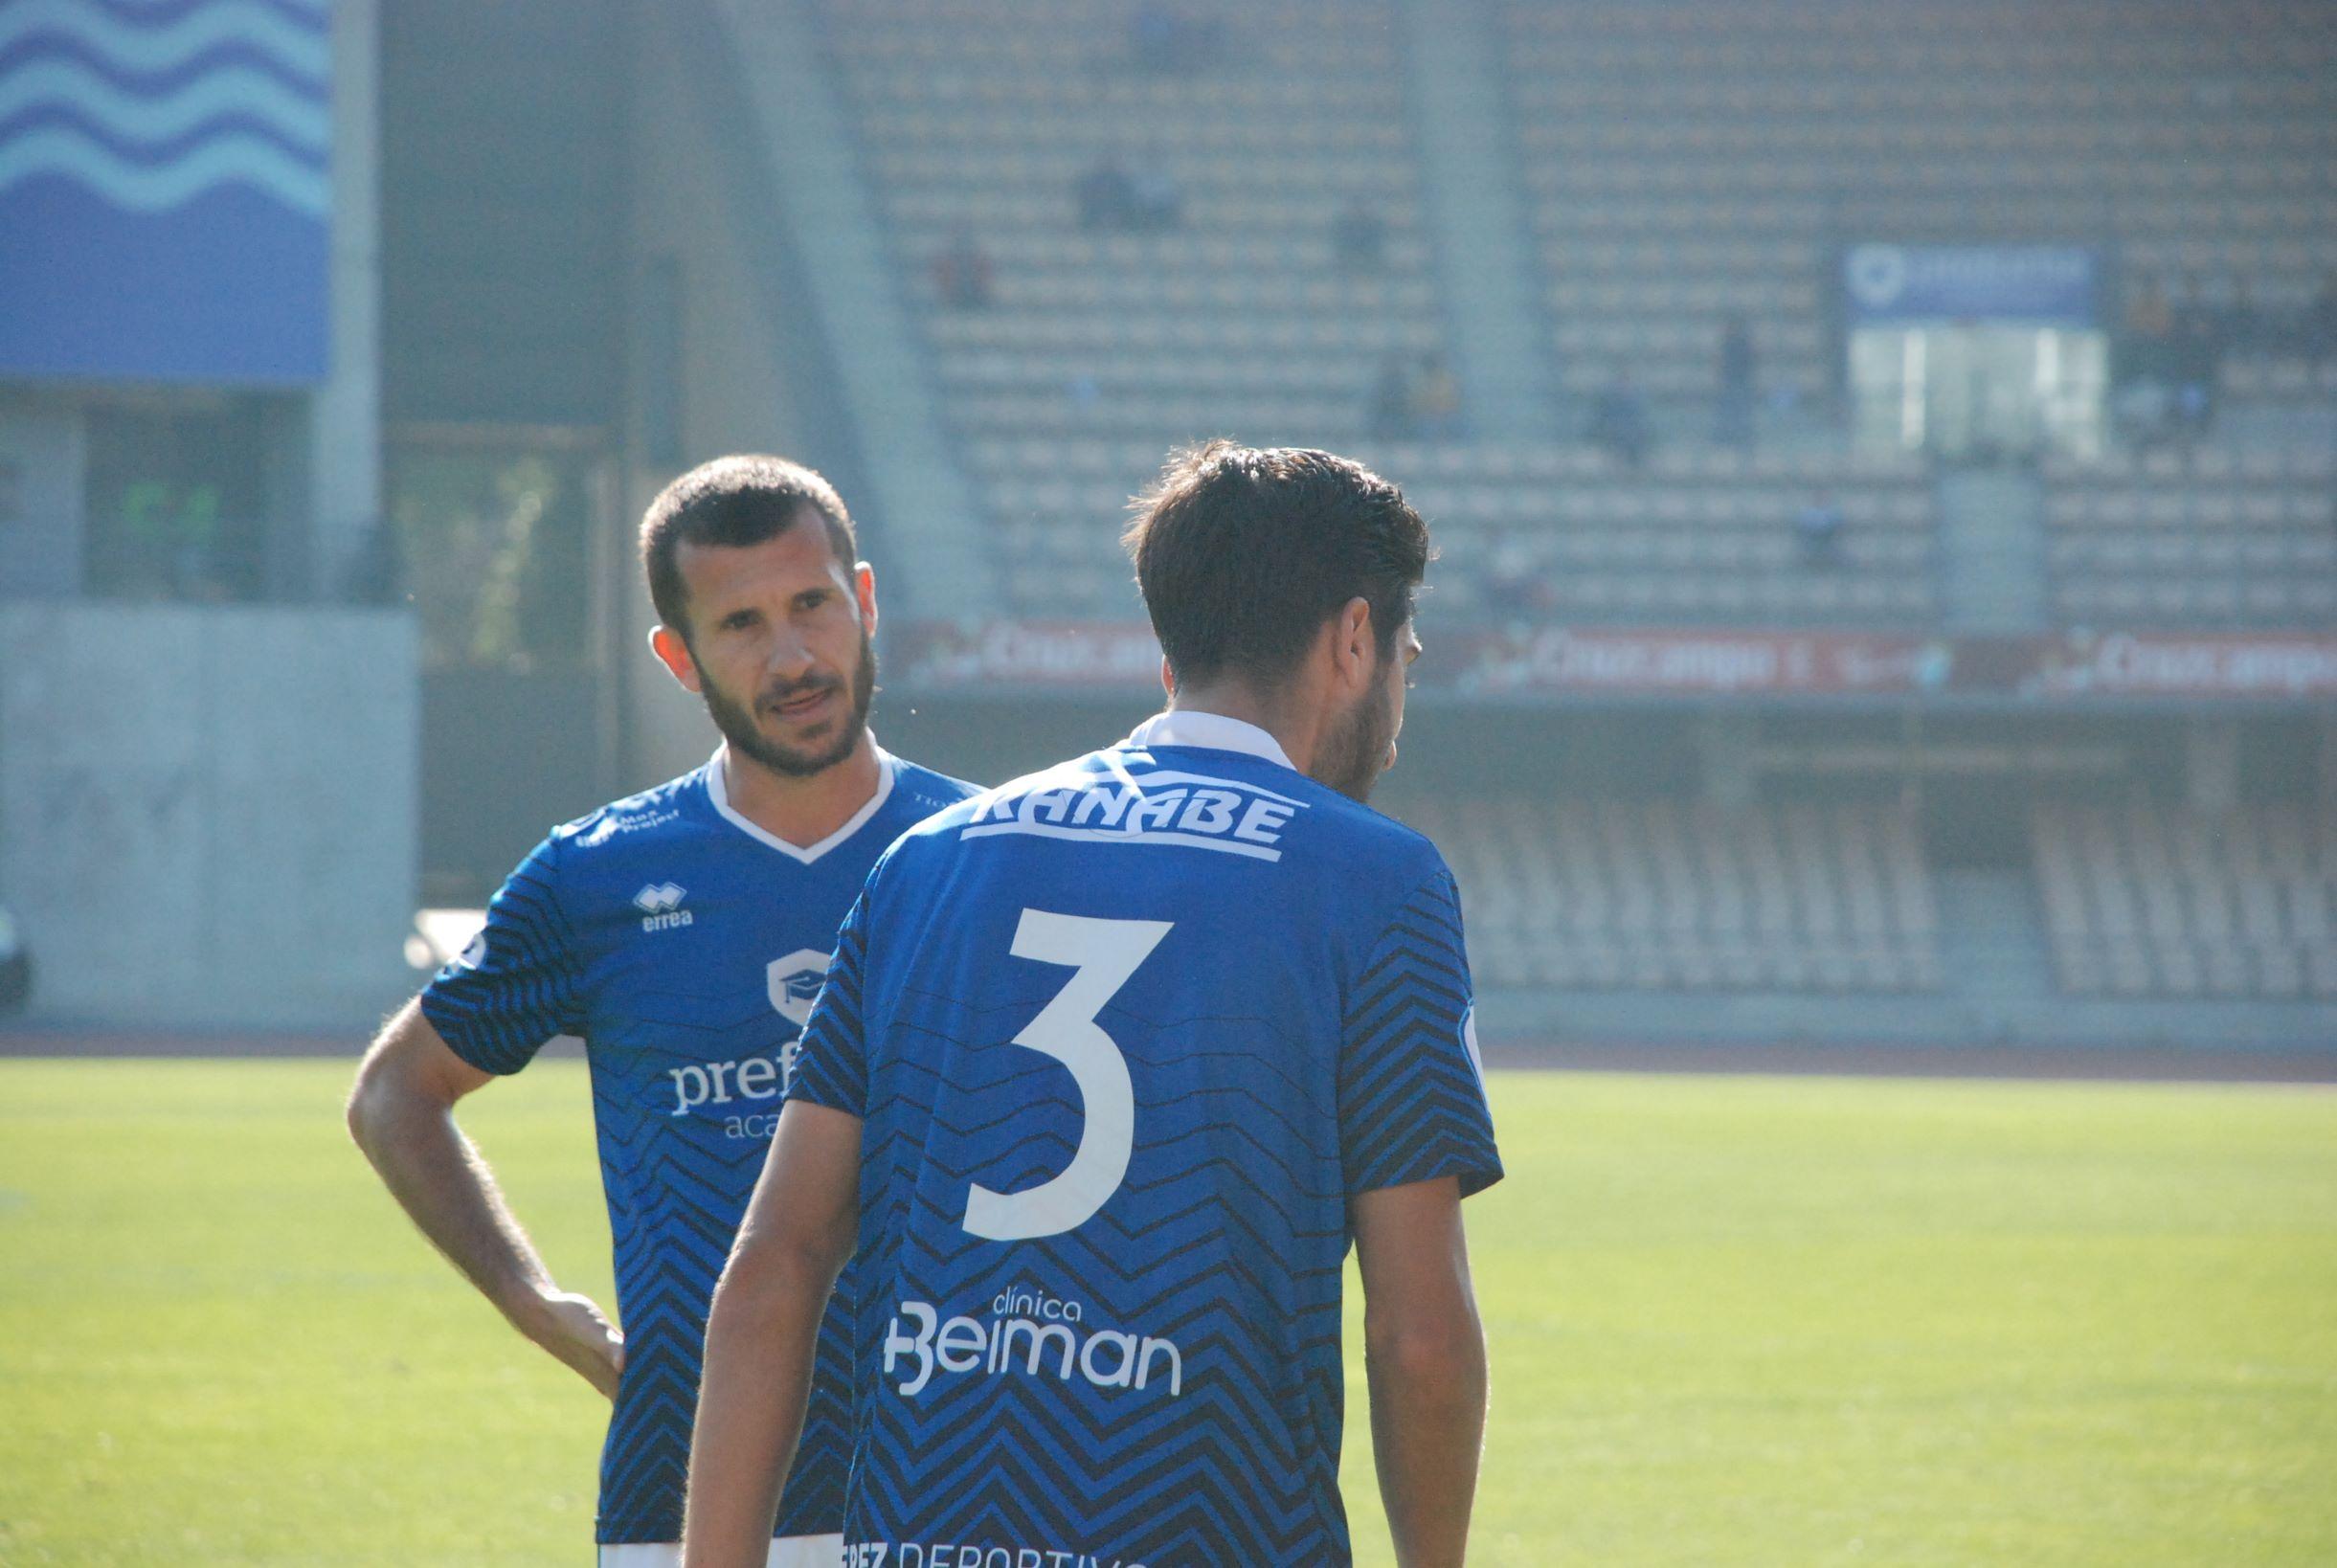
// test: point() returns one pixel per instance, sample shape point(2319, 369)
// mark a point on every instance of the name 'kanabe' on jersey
point(1126, 1038)
point(685, 945)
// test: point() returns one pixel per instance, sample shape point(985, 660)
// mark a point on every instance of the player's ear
point(1353, 650)
point(674, 654)
point(1168, 678)
point(863, 589)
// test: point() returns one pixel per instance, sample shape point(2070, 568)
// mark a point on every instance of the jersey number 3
point(1102, 955)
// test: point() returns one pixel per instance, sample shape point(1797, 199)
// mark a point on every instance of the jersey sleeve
point(832, 1057)
point(1411, 1091)
point(516, 985)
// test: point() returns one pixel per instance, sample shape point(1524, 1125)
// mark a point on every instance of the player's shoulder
point(919, 791)
point(934, 833)
point(655, 816)
point(1365, 843)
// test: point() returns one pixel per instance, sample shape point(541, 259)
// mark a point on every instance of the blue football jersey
point(1126, 1038)
point(684, 944)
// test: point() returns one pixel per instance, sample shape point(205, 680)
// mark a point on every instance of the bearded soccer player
point(1113, 1065)
point(682, 932)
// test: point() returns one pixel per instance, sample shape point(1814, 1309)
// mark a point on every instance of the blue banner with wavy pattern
point(166, 190)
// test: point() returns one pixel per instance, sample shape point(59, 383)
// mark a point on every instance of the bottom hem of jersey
point(786, 1552)
point(665, 1532)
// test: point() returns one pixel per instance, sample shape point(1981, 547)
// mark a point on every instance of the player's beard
point(1354, 752)
point(736, 719)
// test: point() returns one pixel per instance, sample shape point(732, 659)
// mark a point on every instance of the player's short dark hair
point(733, 502)
point(1243, 554)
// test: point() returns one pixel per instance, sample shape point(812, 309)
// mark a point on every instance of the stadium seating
point(1096, 345)
point(1687, 161)
point(1659, 895)
point(1701, 534)
point(2207, 537)
point(2146, 901)
point(1683, 165)
point(1531, 531)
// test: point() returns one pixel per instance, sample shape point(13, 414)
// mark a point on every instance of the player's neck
point(802, 810)
point(1230, 700)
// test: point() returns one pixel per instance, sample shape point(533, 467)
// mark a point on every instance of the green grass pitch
point(1734, 1321)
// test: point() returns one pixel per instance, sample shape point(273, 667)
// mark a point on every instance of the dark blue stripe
point(158, 153)
point(46, 45)
point(310, 16)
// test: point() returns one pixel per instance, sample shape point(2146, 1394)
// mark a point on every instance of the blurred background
point(1882, 453)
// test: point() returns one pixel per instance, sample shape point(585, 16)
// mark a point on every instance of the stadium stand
point(2194, 141)
point(2141, 900)
point(1703, 534)
point(1101, 345)
point(1529, 532)
point(2209, 536)
point(1686, 163)
point(1609, 893)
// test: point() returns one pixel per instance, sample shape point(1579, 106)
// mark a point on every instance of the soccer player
point(1113, 1064)
point(682, 932)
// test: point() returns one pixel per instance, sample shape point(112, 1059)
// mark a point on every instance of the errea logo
point(661, 906)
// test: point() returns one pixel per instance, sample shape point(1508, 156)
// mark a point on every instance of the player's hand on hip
point(576, 1331)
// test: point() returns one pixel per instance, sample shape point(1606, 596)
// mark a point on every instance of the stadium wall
point(207, 815)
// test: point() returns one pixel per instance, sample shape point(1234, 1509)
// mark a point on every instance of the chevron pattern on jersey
point(686, 1188)
point(1291, 1033)
point(1225, 1242)
point(1410, 1103)
point(497, 1013)
point(688, 1051)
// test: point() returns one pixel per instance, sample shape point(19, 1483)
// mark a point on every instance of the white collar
point(718, 790)
point(1211, 732)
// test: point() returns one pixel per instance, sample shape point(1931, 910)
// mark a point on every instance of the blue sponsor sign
point(2043, 285)
point(165, 189)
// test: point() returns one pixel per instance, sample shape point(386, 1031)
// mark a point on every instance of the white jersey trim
point(718, 790)
point(1211, 732)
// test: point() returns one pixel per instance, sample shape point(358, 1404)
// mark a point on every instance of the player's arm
point(401, 1114)
point(1425, 1357)
point(761, 1333)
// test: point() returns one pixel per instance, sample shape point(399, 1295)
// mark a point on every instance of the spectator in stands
point(2144, 409)
point(1165, 40)
point(1818, 529)
point(1733, 415)
point(1155, 200)
point(1619, 420)
point(962, 272)
point(1106, 196)
point(1390, 415)
point(1436, 399)
point(1152, 36)
point(1359, 238)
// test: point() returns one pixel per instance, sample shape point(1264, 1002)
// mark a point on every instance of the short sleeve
point(516, 985)
point(832, 1057)
point(1411, 1093)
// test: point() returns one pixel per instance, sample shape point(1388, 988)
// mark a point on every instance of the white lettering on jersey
point(1015, 1343)
point(1190, 811)
point(1102, 955)
point(793, 982)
